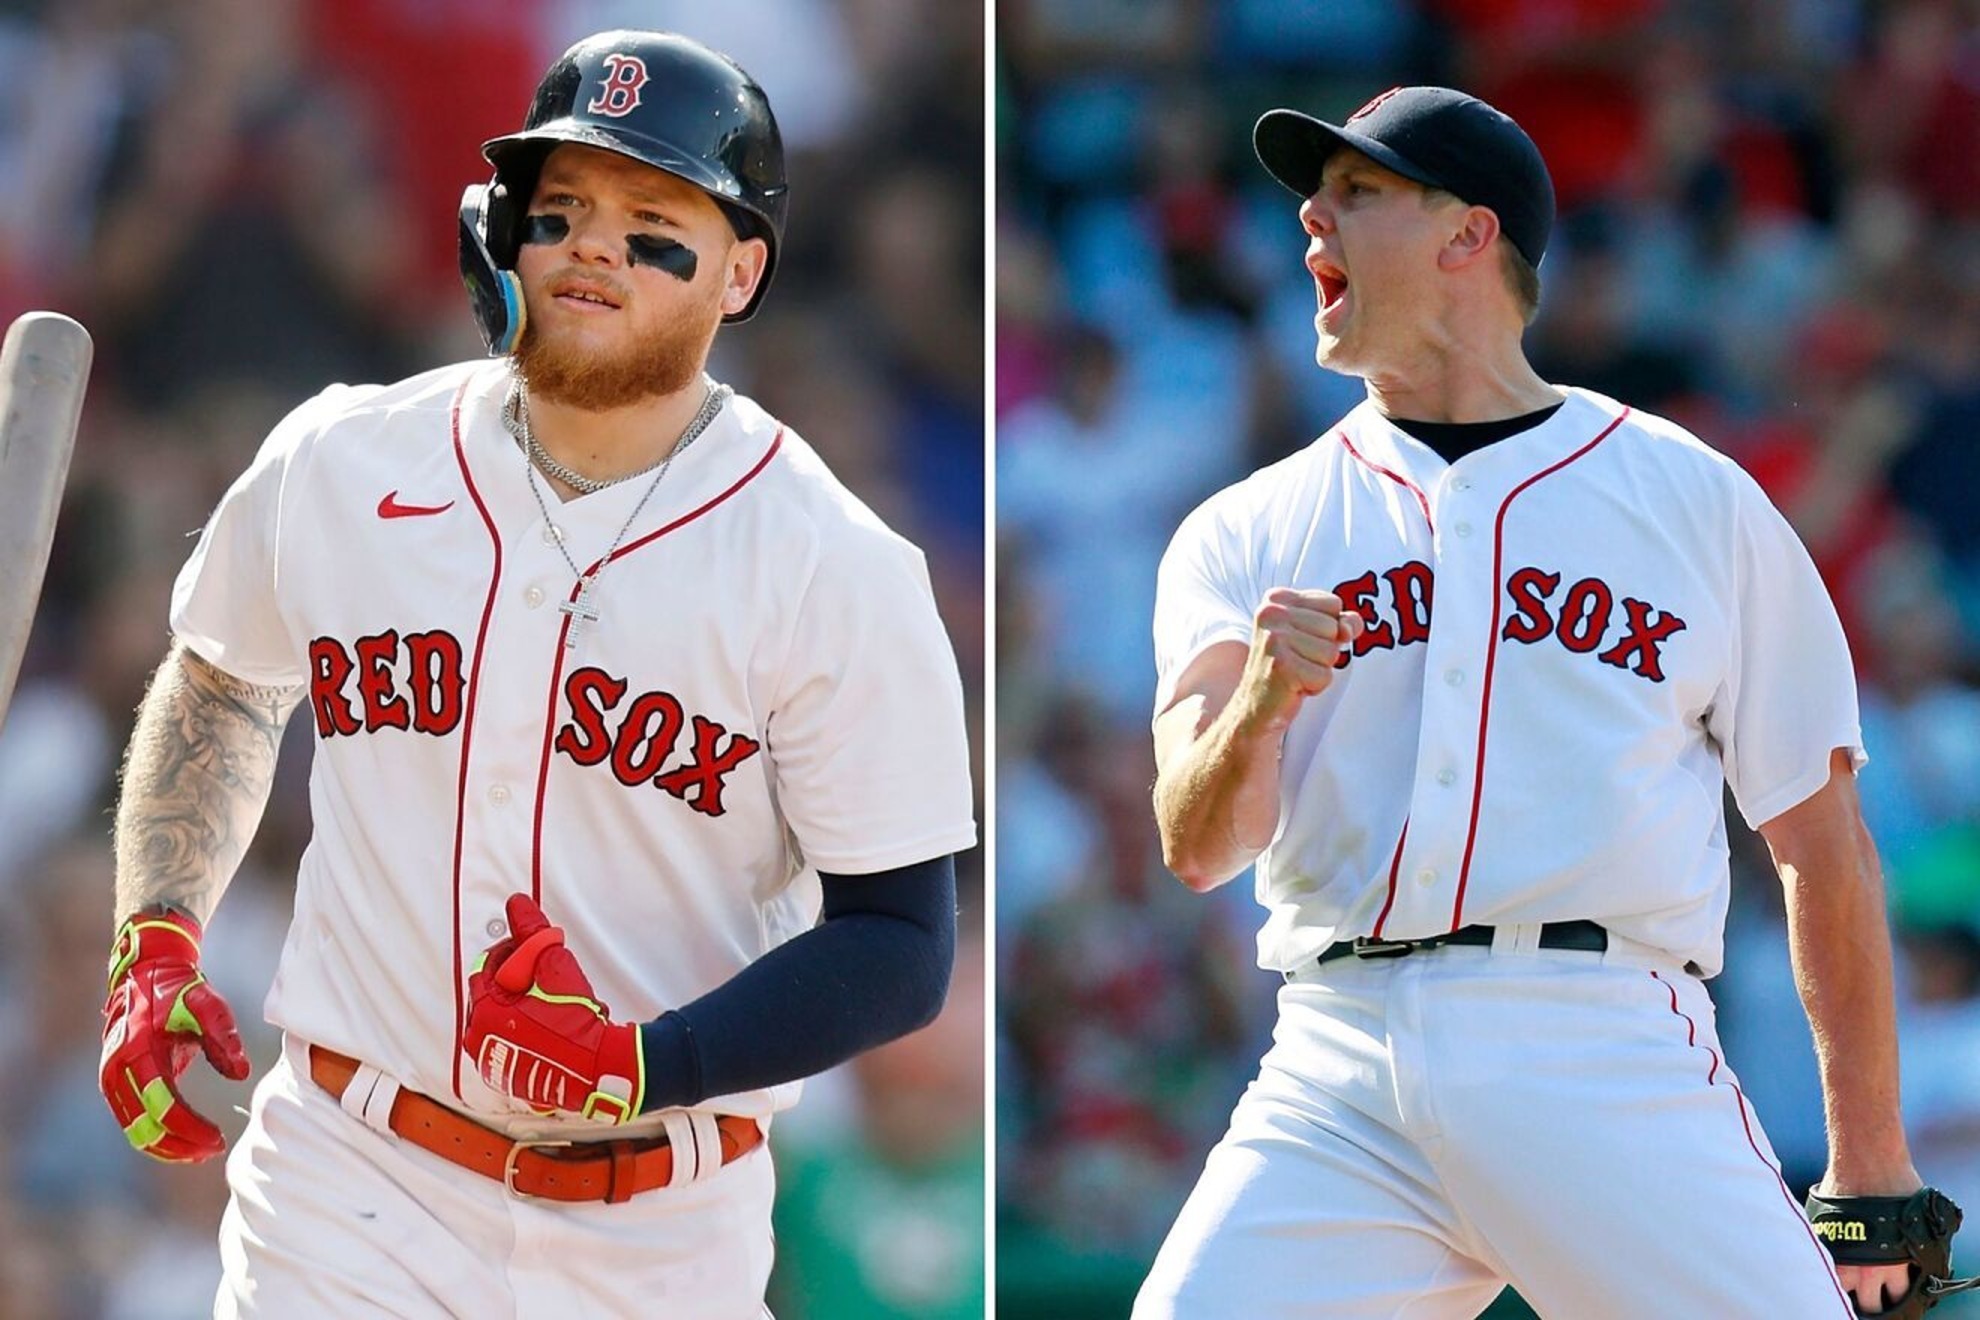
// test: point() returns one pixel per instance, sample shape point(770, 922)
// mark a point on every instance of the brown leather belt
point(611, 1170)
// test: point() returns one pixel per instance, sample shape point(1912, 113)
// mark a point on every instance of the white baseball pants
point(330, 1218)
point(1427, 1129)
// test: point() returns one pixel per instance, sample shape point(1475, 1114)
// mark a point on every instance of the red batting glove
point(160, 1013)
point(538, 1033)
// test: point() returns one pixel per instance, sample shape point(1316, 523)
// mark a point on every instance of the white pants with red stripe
point(331, 1218)
point(1430, 1128)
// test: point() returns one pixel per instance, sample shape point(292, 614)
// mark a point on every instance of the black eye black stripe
point(540, 229)
point(674, 258)
point(665, 254)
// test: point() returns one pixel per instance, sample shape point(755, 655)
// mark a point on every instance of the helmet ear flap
point(489, 225)
point(503, 217)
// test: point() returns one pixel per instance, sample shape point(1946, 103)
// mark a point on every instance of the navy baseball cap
point(1436, 136)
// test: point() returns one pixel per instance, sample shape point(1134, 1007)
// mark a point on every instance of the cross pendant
point(580, 612)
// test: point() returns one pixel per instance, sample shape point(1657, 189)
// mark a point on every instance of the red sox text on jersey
point(355, 688)
point(1581, 623)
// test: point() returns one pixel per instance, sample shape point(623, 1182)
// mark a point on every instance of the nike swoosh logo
point(389, 507)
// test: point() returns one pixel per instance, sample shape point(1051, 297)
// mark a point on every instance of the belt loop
point(619, 1175)
point(358, 1090)
point(707, 1144)
point(1518, 937)
point(368, 1097)
point(680, 1139)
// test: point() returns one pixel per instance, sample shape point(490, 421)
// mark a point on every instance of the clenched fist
point(1298, 640)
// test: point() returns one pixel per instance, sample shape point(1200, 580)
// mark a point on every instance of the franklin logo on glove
point(538, 1033)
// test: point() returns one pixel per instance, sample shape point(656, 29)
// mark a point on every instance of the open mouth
point(1333, 284)
point(585, 295)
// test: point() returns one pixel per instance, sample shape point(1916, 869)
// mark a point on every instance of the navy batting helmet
point(657, 97)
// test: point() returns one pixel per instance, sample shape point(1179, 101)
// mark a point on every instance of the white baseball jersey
point(1622, 624)
point(767, 693)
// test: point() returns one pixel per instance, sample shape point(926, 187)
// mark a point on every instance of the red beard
point(667, 362)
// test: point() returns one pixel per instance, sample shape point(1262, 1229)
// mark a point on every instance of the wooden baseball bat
point(44, 367)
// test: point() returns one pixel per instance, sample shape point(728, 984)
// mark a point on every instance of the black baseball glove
point(1895, 1230)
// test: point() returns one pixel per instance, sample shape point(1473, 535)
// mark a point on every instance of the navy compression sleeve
point(876, 968)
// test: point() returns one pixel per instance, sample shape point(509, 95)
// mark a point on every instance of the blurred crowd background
point(245, 200)
point(1769, 231)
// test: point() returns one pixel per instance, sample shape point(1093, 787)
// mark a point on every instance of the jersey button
point(1460, 483)
point(533, 597)
point(499, 795)
point(1447, 776)
point(1426, 877)
point(496, 930)
point(1454, 676)
point(1462, 529)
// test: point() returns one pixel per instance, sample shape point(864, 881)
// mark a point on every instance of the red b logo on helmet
point(624, 76)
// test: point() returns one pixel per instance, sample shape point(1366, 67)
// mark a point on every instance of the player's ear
point(1472, 239)
point(742, 271)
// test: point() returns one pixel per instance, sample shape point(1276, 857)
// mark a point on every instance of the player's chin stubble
point(666, 362)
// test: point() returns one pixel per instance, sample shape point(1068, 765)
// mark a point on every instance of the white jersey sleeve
point(867, 734)
point(1790, 690)
point(224, 604)
point(1205, 590)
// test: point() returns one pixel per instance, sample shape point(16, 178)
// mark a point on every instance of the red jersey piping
point(1422, 500)
point(1395, 865)
point(1492, 653)
point(1746, 1122)
point(467, 728)
point(563, 631)
point(1423, 503)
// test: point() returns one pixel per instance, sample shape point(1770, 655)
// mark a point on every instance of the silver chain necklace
point(582, 609)
point(515, 417)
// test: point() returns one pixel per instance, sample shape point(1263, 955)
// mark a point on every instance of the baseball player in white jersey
point(1463, 678)
point(614, 689)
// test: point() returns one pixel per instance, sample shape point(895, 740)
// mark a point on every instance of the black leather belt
point(1586, 936)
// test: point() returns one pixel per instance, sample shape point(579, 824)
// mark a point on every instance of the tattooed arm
point(195, 783)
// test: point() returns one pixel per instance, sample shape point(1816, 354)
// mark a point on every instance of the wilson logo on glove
point(1915, 1230)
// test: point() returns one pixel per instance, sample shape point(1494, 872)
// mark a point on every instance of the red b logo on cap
point(1372, 104)
point(624, 76)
